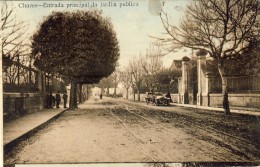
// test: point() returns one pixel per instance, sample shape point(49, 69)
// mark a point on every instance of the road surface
point(114, 130)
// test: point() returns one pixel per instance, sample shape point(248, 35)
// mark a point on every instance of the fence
point(25, 89)
point(240, 84)
point(18, 77)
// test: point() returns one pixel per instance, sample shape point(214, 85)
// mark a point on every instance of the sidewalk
point(239, 110)
point(23, 127)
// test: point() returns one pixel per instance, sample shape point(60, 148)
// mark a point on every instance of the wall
point(237, 100)
point(175, 98)
point(142, 97)
point(17, 104)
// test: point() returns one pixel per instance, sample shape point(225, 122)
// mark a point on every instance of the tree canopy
point(80, 45)
point(166, 80)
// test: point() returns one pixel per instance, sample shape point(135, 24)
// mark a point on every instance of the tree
point(137, 73)
point(166, 80)
point(81, 46)
point(151, 64)
point(13, 36)
point(125, 78)
point(105, 83)
point(221, 28)
point(115, 76)
point(14, 49)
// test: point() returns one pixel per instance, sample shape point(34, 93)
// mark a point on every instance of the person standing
point(168, 95)
point(48, 100)
point(58, 99)
point(65, 97)
point(51, 100)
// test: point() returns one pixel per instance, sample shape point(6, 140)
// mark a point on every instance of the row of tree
point(144, 73)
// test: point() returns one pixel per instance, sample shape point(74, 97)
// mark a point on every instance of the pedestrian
point(100, 96)
point(48, 101)
point(168, 95)
point(58, 99)
point(65, 97)
point(51, 101)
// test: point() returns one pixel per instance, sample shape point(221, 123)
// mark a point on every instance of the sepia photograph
point(130, 83)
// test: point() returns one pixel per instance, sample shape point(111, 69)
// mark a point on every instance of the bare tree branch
point(223, 28)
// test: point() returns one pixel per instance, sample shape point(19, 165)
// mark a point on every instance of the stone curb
point(234, 110)
point(238, 111)
point(8, 146)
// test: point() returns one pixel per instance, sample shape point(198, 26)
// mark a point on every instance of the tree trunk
point(101, 90)
point(115, 90)
point(138, 94)
point(107, 93)
point(30, 77)
point(48, 82)
point(43, 83)
point(18, 71)
point(127, 93)
point(134, 92)
point(87, 92)
point(73, 96)
point(224, 90)
point(150, 88)
point(80, 93)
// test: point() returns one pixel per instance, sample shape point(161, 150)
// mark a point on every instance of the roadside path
point(20, 127)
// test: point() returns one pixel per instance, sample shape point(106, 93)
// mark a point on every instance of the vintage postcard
point(143, 83)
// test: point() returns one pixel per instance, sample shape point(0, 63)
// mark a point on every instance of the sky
point(133, 24)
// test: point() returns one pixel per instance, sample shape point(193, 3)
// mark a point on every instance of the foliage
point(247, 63)
point(166, 80)
point(56, 86)
point(80, 45)
point(105, 83)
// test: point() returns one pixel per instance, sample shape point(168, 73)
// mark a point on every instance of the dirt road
point(112, 130)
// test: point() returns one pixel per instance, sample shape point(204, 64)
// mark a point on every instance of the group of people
point(51, 100)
